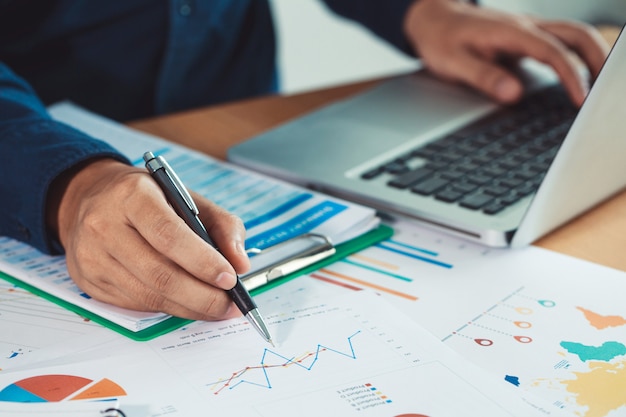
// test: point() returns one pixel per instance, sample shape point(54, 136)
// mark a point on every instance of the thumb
point(489, 78)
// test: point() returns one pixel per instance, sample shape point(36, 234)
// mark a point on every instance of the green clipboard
point(382, 232)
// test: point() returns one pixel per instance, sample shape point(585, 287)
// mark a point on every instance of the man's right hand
point(126, 246)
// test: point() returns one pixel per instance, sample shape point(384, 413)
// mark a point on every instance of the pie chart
point(412, 415)
point(55, 388)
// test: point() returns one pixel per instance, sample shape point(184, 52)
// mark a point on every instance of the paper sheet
point(34, 329)
point(546, 322)
point(348, 355)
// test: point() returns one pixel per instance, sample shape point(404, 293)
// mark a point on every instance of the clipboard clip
point(285, 258)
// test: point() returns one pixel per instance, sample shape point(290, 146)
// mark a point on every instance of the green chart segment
point(54, 388)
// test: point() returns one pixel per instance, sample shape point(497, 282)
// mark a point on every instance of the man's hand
point(464, 43)
point(126, 246)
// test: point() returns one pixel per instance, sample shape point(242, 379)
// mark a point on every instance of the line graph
point(306, 361)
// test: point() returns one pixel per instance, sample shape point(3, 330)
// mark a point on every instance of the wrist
point(428, 18)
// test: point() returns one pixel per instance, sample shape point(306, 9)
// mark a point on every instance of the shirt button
point(24, 232)
point(185, 8)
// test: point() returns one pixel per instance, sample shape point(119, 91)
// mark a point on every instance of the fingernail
point(241, 248)
point(225, 280)
point(506, 90)
point(585, 86)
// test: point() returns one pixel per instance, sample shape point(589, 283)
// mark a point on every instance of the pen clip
point(154, 163)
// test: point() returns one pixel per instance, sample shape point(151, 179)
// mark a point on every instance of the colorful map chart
point(600, 388)
point(586, 373)
point(54, 388)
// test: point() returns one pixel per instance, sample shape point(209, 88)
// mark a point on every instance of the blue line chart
point(273, 360)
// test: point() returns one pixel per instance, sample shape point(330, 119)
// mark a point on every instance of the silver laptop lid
point(591, 163)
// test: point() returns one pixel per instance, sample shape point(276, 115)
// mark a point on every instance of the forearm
point(34, 151)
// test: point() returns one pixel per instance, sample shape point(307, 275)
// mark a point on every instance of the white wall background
point(318, 49)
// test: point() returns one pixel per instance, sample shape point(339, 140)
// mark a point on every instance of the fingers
point(158, 284)
point(168, 234)
point(126, 289)
point(227, 231)
point(530, 41)
point(462, 42)
point(178, 268)
point(584, 40)
point(489, 78)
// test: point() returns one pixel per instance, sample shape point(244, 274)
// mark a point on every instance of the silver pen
point(183, 204)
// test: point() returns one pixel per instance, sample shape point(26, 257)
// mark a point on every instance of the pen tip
point(272, 343)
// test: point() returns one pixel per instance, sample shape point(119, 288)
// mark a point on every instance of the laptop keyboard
point(492, 163)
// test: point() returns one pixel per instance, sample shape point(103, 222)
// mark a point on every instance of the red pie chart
point(412, 415)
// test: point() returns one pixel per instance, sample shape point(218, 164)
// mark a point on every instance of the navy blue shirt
point(127, 59)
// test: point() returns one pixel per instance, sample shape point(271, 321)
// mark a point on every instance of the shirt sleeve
point(383, 17)
point(34, 150)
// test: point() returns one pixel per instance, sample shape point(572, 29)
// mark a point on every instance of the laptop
point(445, 156)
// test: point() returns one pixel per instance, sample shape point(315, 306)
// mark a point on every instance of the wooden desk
point(598, 236)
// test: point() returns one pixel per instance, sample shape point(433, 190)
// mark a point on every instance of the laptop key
point(464, 187)
point(372, 173)
point(524, 173)
point(448, 157)
point(494, 208)
point(396, 167)
point(466, 148)
point(409, 178)
point(510, 182)
point(449, 196)
point(525, 189)
point(493, 171)
point(510, 199)
point(425, 153)
point(429, 186)
point(476, 201)
point(479, 179)
point(451, 175)
point(465, 166)
point(507, 163)
point(495, 190)
point(482, 159)
point(436, 165)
